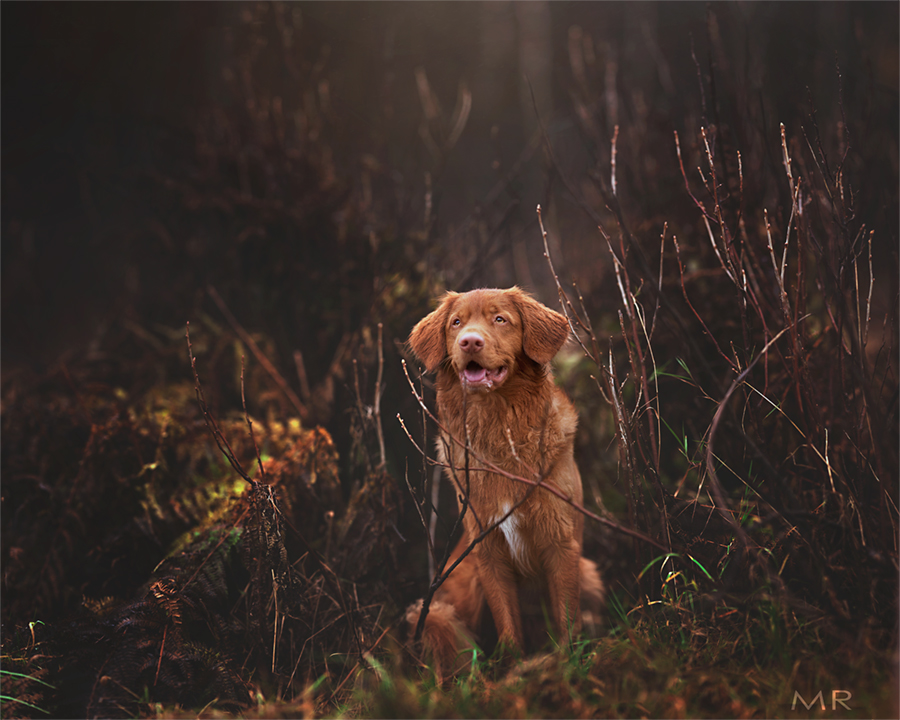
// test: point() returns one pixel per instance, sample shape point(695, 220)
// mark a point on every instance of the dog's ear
point(544, 331)
point(428, 338)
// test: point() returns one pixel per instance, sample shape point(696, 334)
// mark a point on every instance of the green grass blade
point(654, 561)
point(7, 698)
point(697, 563)
point(30, 677)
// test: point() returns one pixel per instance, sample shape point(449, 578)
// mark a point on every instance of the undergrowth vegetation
point(232, 523)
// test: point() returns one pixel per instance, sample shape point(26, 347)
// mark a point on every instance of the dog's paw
point(446, 643)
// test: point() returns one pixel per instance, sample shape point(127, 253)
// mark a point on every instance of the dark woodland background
point(286, 177)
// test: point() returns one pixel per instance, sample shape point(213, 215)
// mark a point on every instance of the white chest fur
point(515, 539)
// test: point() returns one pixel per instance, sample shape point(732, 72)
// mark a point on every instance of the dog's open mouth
point(477, 376)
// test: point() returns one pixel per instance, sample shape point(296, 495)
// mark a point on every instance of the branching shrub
point(753, 379)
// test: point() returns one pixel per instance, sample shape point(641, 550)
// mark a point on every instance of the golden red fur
point(491, 350)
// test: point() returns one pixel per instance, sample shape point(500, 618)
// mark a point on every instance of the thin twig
point(162, 647)
point(662, 248)
point(612, 161)
point(431, 551)
point(723, 228)
point(377, 408)
point(260, 356)
point(865, 339)
point(262, 469)
point(221, 440)
point(718, 496)
point(687, 185)
point(352, 672)
point(693, 309)
point(567, 307)
point(432, 520)
point(302, 376)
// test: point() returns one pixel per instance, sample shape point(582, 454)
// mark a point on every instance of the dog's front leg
point(501, 593)
point(564, 583)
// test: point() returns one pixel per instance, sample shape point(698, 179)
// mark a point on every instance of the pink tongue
point(475, 374)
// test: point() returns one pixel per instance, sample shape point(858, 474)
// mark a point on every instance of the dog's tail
point(592, 593)
point(445, 638)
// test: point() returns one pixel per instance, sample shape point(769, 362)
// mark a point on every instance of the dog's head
point(483, 335)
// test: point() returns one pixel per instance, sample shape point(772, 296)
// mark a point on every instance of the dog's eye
point(499, 319)
point(455, 322)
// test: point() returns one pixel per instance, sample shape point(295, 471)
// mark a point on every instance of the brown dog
point(491, 350)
